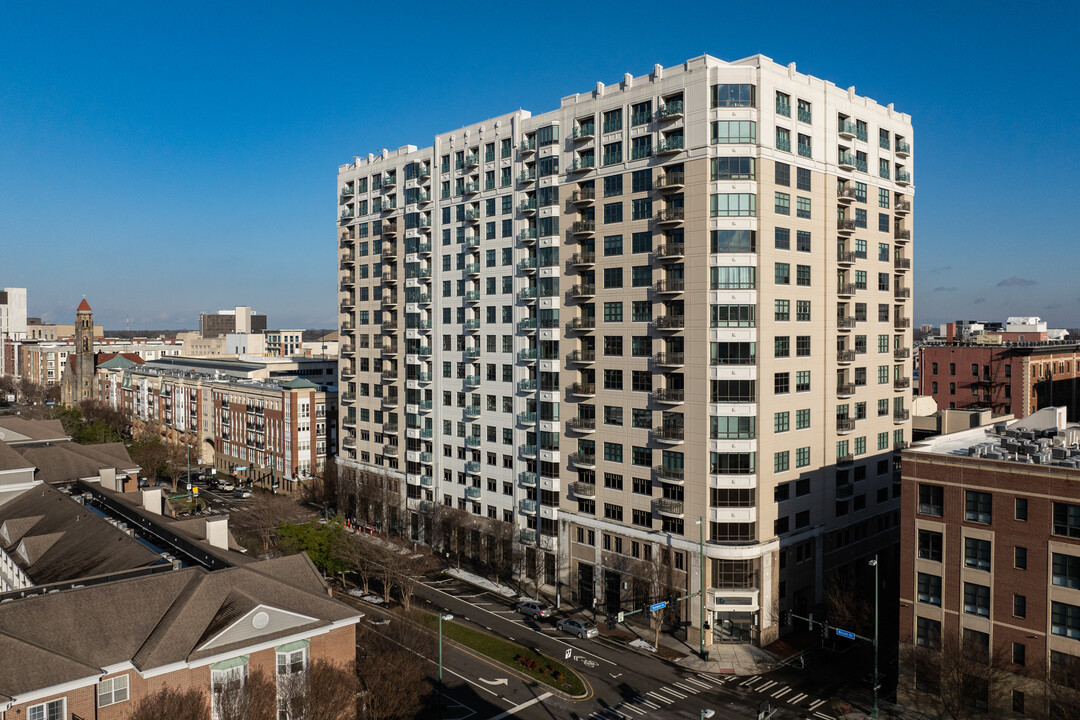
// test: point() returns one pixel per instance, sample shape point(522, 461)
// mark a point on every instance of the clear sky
point(164, 159)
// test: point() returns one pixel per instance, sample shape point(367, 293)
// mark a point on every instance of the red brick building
point(990, 566)
point(95, 651)
point(1016, 379)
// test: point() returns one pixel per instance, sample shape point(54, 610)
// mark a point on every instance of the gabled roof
point(67, 462)
point(159, 620)
point(12, 460)
point(20, 431)
point(83, 306)
point(117, 361)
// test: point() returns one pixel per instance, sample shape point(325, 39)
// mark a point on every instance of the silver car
point(534, 609)
point(578, 626)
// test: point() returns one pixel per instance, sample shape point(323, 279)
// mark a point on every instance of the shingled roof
point(157, 620)
point(67, 462)
point(20, 431)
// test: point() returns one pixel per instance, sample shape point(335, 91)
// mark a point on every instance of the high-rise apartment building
point(240, 319)
point(680, 298)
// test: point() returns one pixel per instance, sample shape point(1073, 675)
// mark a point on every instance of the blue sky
point(170, 158)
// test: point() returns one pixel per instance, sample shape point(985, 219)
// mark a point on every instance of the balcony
point(901, 354)
point(472, 411)
point(585, 461)
point(347, 215)
point(582, 260)
point(529, 507)
point(673, 216)
point(670, 360)
point(845, 257)
point(581, 425)
point(845, 389)
point(347, 305)
point(674, 286)
point(903, 148)
point(427, 481)
point(845, 323)
point(901, 234)
point(669, 507)
point(583, 490)
point(669, 435)
point(390, 325)
point(472, 160)
point(527, 236)
point(471, 296)
point(528, 325)
point(845, 356)
point(389, 277)
point(424, 406)
point(579, 324)
point(670, 111)
point(348, 442)
point(902, 416)
point(528, 451)
point(845, 194)
point(422, 351)
point(805, 151)
point(528, 294)
point(527, 386)
point(581, 292)
point(670, 323)
point(423, 377)
point(901, 263)
point(472, 381)
point(390, 401)
point(527, 207)
point(847, 161)
point(390, 299)
point(670, 252)
point(584, 196)
point(581, 357)
point(903, 207)
point(527, 147)
point(390, 428)
point(347, 192)
point(667, 396)
point(389, 376)
point(843, 460)
point(783, 143)
point(902, 293)
point(901, 383)
point(472, 324)
point(583, 227)
point(527, 265)
point(583, 132)
point(902, 323)
point(527, 176)
point(527, 479)
point(527, 356)
point(845, 491)
point(346, 242)
point(903, 177)
point(845, 226)
point(390, 181)
point(845, 289)
point(473, 468)
point(526, 418)
point(582, 389)
point(669, 145)
point(848, 129)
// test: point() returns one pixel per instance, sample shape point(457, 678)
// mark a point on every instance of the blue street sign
point(845, 633)
point(242, 467)
point(658, 606)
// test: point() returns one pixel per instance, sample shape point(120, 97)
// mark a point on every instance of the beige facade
point(679, 297)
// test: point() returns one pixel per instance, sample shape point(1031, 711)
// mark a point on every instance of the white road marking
point(749, 680)
point(798, 698)
point(661, 698)
point(687, 688)
point(715, 681)
point(822, 715)
point(630, 707)
point(648, 703)
point(669, 691)
point(696, 682)
point(618, 714)
point(767, 685)
point(517, 708)
point(817, 704)
point(782, 692)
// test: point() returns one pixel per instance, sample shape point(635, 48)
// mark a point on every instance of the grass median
point(523, 660)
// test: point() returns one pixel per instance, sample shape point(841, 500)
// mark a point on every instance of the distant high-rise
point(12, 326)
point(240, 319)
point(681, 298)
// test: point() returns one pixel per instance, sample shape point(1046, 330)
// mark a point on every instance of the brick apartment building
point(990, 566)
point(1017, 379)
point(190, 628)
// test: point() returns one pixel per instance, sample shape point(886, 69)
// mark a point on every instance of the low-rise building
point(990, 568)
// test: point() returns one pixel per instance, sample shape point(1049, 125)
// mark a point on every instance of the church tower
point(77, 384)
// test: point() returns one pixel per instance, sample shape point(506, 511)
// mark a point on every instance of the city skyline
point(199, 152)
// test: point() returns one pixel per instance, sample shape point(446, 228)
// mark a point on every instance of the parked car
point(226, 486)
point(578, 626)
point(534, 609)
point(242, 493)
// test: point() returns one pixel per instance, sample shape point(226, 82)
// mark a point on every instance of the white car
point(226, 486)
point(242, 493)
point(534, 609)
point(578, 626)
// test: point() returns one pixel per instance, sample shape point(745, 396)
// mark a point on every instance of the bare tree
point(964, 676)
point(171, 704)
point(261, 518)
point(246, 698)
point(362, 556)
point(321, 691)
point(847, 608)
point(408, 569)
point(392, 670)
point(1062, 686)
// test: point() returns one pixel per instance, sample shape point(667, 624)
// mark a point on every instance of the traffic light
point(610, 623)
point(783, 618)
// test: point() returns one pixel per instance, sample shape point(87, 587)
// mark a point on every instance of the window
point(781, 383)
point(613, 452)
point(802, 175)
point(112, 691)
point(732, 95)
point(930, 545)
point(802, 310)
point(802, 346)
point(641, 181)
point(802, 457)
point(928, 633)
point(782, 203)
point(802, 207)
point(929, 589)
point(613, 312)
point(977, 506)
point(781, 421)
point(1019, 606)
point(613, 277)
point(733, 315)
point(641, 311)
point(977, 554)
point(613, 185)
point(781, 310)
point(802, 241)
point(1067, 520)
point(733, 205)
point(729, 277)
point(52, 710)
point(781, 461)
point(734, 168)
point(977, 599)
point(1065, 620)
point(782, 239)
point(802, 381)
point(802, 419)
point(613, 213)
point(802, 275)
point(1020, 558)
point(1065, 570)
point(612, 245)
point(782, 274)
point(931, 499)
point(782, 174)
point(734, 131)
point(781, 346)
point(1019, 657)
point(1021, 509)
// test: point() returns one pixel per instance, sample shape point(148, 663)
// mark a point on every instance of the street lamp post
point(442, 617)
point(874, 564)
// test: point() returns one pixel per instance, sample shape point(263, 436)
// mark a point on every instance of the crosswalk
point(644, 703)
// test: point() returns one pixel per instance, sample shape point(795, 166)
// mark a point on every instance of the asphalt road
point(624, 684)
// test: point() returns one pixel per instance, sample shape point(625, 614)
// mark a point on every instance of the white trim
point(247, 616)
point(61, 689)
point(119, 667)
